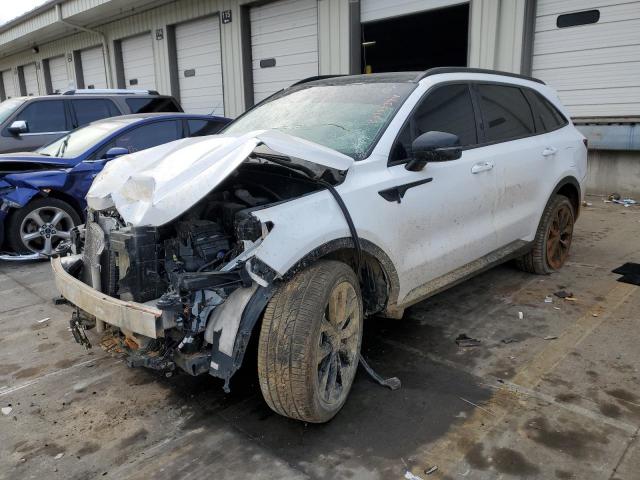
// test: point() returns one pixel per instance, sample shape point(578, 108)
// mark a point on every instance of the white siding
point(93, 71)
point(58, 74)
point(31, 79)
point(371, 10)
point(10, 90)
point(287, 31)
point(137, 59)
point(596, 67)
point(198, 52)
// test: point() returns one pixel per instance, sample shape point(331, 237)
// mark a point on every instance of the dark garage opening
point(418, 41)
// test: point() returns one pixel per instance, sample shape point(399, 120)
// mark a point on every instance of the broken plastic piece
point(465, 341)
point(431, 470)
point(563, 294)
point(393, 383)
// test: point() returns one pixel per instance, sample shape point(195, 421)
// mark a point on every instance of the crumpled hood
point(154, 186)
point(29, 161)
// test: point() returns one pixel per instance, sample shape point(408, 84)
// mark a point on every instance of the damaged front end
point(184, 294)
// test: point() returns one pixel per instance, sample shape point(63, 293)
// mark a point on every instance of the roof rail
point(108, 91)
point(439, 70)
point(317, 77)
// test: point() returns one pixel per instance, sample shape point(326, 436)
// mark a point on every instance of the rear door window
point(200, 128)
point(150, 105)
point(448, 109)
point(547, 116)
point(506, 113)
point(90, 110)
point(45, 116)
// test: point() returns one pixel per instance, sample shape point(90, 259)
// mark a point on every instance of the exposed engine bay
point(188, 269)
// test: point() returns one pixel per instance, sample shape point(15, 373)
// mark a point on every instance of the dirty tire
point(311, 317)
point(541, 259)
point(45, 210)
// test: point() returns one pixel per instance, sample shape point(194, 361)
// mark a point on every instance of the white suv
point(333, 200)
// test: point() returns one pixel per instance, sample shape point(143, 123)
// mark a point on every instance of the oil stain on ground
point(577, 443)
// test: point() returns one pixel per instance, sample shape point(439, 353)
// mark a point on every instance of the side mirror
point(18, 127)
point(433, 147)
point(114, 152)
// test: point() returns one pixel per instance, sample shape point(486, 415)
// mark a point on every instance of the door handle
point(481, 167)
point(547, 152)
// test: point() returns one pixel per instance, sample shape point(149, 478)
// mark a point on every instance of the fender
point(573, 181)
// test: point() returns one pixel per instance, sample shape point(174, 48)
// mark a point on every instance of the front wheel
point(310, 342)
point(553, 239)
point(41, 225)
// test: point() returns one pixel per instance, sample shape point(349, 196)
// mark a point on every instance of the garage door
point(284, 44)
point(31, 79)
point(93, 71)
point(200, 66)
point(371, 10)
point(58, 74)
point(589, 51)
point(137, 61)
point(9, 86)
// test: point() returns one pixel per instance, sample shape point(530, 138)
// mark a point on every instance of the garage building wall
point(495, 37)
point(594, 67)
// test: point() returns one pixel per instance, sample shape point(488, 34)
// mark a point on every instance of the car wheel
point(310, 342)
point(41, 225)
point(553, 239)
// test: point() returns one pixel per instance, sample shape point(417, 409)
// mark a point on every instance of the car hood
point(154, 186)
point(29, 161)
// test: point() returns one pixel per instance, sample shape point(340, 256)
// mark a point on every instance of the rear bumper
point(135, 317)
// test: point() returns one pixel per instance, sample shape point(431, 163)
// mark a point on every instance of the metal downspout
point(103, 37)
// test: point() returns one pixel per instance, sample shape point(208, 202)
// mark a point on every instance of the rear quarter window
point(547, 116)
point(200, 128)
point(151, 105)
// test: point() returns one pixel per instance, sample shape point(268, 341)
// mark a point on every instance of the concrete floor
point(518, 406)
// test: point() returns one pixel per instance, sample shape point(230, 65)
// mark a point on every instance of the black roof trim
point(317, 77)
point(439, 70)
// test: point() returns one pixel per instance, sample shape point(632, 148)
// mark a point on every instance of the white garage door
point(594, 66)
point(200, 66)
point(137, 60)
point(9, 86)
point(93, 71)
point(31, 79)
point(371, 10)
point(284, 44)
point(58, 74)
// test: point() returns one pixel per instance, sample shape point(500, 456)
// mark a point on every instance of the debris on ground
point(550, 337)
point(627, 202)
point(509, 340)
point(477, 406)
point(410, 476)
point(563, 294)
point(548, 299)
point(60, 300)
point(431, 470)
point(463, 340)
point(80, 387)
point(392, 383)
point(520, 316)
point(614, 196)
point(586, 204)
point(44, 320)
point(59, 456)
point(630, 273)
point(6, 410)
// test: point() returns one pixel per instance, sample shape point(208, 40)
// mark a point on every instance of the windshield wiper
point(63, 147)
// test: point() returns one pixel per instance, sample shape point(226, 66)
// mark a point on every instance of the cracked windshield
point(347, 117)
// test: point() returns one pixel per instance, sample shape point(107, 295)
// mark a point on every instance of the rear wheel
point(310, 342)
point(41, 225)
point(553, 239)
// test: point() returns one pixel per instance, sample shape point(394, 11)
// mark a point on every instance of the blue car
point(42, 192)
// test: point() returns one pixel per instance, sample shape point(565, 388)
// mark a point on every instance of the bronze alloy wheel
point(338, 344)
point(559, 236)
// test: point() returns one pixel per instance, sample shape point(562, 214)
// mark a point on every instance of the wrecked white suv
point(333, 200)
